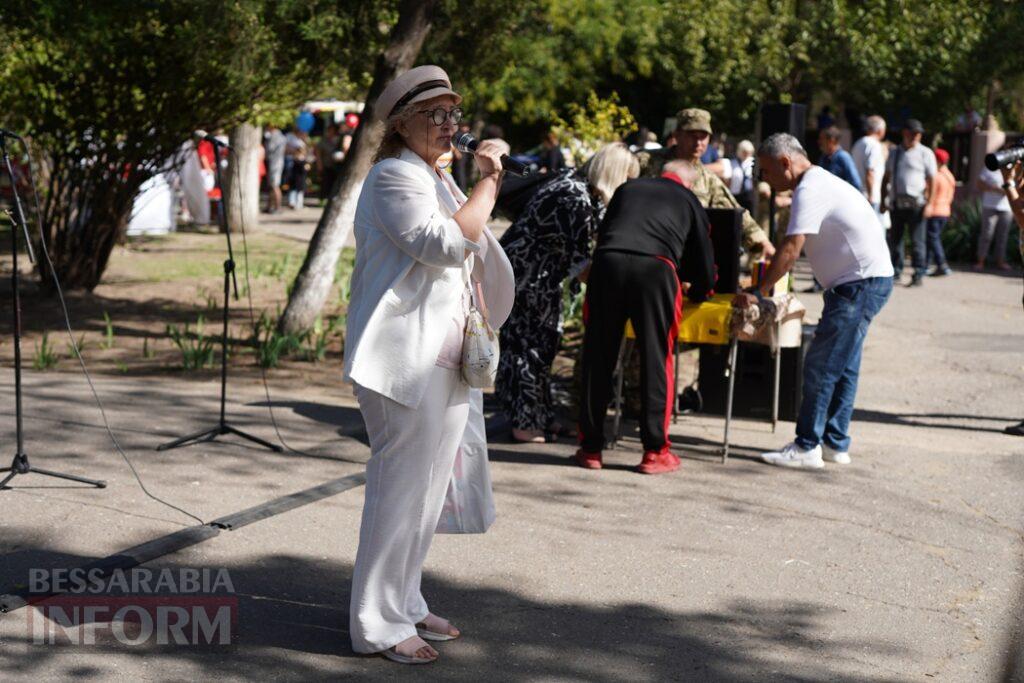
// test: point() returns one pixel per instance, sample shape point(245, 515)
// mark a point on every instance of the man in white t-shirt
point(869, 159)
point(834, 224)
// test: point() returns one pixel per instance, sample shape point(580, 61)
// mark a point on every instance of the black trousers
point(645, 290)
point(910, 221)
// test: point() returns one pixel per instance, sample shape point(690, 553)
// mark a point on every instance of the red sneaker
point(590, 461)
point(658, 462)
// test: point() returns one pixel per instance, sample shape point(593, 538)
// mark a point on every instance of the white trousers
point(411, 458)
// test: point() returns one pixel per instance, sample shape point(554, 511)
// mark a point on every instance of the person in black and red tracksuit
point(652, 248)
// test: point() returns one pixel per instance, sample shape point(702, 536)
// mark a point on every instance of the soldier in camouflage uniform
point(693, 130)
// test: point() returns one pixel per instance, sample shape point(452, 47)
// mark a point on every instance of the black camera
point(1004, 157)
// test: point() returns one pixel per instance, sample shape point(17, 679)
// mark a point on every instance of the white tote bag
point(469, 502)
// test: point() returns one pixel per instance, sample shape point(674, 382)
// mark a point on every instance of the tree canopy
point(110, 89)
point(728, 56)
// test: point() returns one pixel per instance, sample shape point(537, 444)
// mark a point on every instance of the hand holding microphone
point(491, 155)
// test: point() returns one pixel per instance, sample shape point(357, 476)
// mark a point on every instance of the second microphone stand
point(21, 464)
point(222, 427)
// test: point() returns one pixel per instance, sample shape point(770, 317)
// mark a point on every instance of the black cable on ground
point(74, 344)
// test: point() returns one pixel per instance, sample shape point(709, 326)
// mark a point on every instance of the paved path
point(903, 566)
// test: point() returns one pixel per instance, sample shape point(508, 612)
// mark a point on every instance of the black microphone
point(201, 135)
point(464, 142)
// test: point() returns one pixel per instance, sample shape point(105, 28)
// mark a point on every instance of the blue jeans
point(936, 225)
point(832, 364)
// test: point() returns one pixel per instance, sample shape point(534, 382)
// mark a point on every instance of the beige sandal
point(428, 633)
point(394, 655)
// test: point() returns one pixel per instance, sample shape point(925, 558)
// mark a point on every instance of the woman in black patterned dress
point(549, 242)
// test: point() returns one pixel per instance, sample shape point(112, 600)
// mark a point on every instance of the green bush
point(960, 236)
point(272, 346)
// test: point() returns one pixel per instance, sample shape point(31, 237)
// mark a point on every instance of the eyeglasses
point(439, 116)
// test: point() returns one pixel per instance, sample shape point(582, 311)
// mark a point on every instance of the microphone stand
point(222, 426)
point(21, 464)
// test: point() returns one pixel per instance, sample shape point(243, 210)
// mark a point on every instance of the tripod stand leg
point(205, 435)
point(254, 439)
point(69, 477)
point(12, 475)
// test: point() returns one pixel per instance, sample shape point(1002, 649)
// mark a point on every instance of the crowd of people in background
point(909, 184)
point(291, 157)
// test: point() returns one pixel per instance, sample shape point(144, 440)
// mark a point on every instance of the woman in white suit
point(417, 236)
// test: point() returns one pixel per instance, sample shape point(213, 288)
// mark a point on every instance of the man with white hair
point(869, 156)
point(834, 224)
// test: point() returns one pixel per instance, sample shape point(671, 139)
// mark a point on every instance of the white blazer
point(408, 281)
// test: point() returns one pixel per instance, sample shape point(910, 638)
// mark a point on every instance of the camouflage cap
point(694, 119)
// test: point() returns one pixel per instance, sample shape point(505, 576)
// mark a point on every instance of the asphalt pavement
point(903, 566)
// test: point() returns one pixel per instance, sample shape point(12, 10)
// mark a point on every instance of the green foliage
point(343, 275)
point(109, 91)
point(572, 306)
point(80, 344)
point(589, 127)
point(319, 337)
point(960, 236)
point(45, 357)
point(108, 332)
point(729, 56)
point(197, 350)
point(272, 346)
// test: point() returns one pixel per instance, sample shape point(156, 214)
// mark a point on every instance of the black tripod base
point(211, 434)
point(21, 465)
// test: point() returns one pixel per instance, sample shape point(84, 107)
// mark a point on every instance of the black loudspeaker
point(753, 391)
point(784, 118)
point(727, 242)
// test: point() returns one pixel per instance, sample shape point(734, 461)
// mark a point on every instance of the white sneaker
point(792, 455)
point(832, 455)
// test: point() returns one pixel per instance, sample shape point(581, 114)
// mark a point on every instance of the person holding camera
point(996, 219)
point(911, 169)
point(1013, 184)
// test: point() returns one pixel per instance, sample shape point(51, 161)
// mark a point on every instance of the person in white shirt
point(834, 224)
point(417, 238)
point(996, 219)
point(741, 180)
point(869, 156)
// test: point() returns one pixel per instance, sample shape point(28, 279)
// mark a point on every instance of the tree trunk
point(313, 283)
point(242, 180)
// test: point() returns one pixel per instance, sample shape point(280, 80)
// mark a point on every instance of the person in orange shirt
point(937, 211)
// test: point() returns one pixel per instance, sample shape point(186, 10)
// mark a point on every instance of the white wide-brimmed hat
point(415, 85)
